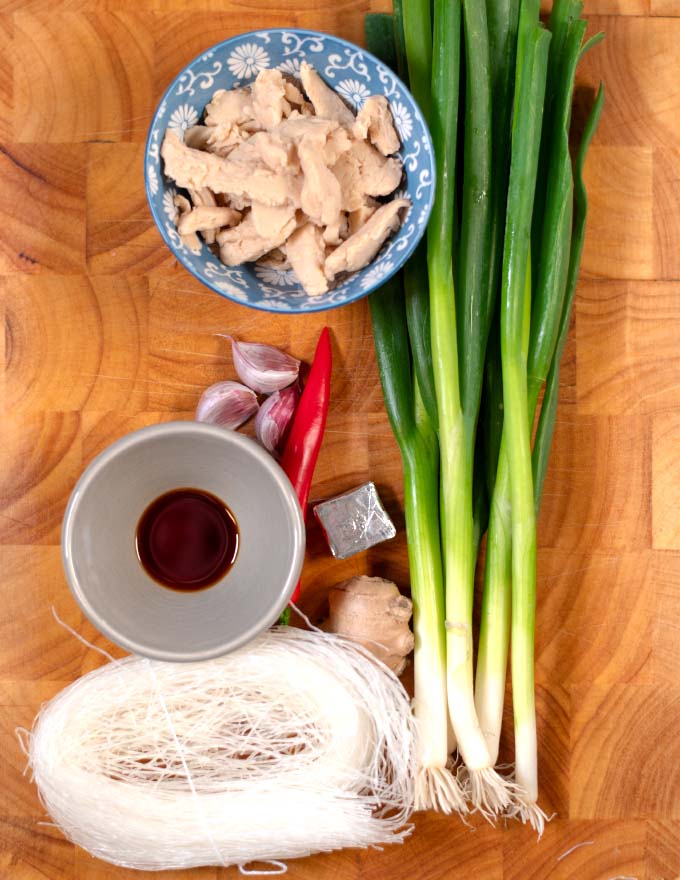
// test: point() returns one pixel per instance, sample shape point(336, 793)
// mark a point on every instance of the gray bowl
point(107, 578)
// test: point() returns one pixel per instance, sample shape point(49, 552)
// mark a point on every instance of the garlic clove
point(274, 417)
point(262, 367)
point(227, 404)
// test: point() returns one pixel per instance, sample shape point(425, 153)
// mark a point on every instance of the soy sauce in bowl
point(187, 539)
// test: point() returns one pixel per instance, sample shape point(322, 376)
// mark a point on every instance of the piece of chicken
point(269, 98)
point(207, 218)
point(359, 249)
point(190, 239)
point(361, 215)
point(306, 252)
point(271, 222)
point(227, 118)
point(222, 140)
point(362, 171)
point(338, 142)
point(197, 137)
point(205, 198)
point(293, 94)
point(374, 121)
point(379, 176)
point(296, 127)
point(230, 107)
point(202, 197)
point(326, 102)
point(271, 149)
point(196, 169)
point(275, 259)
point(243, 243)
point(347, 171)
point(320, 191)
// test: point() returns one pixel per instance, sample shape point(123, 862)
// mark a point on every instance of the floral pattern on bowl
point(355, 74)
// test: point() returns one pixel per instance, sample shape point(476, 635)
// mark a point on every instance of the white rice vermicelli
point(297, 743)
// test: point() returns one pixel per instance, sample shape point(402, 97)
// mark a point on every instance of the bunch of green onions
point(466, 339)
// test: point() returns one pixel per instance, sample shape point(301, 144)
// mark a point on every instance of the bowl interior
point(355, 74)
point(101, 560)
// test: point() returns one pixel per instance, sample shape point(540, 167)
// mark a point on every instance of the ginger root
point(372, 612)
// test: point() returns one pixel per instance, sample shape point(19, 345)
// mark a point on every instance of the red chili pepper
point(309, 422)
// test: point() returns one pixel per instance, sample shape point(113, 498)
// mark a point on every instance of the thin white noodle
point(574, 847)
point(298, 743)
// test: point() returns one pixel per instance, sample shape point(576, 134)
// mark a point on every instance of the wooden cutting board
point(105, 333)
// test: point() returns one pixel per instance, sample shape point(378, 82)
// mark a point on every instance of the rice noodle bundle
point(297, 743)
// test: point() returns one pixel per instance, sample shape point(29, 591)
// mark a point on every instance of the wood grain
point(619, 243)
point(106, 333)
point(43, 210)
point(666, 624)
point(628, 361)
point(624, 752)
point(665, 7)
point(110, 103)
point(666, 473)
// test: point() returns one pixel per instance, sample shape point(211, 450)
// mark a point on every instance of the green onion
point(502, 20)
point(456, 484)
point(436, 787)
point(502, 17)
point(418, 320)
point(508, 219)
point(480, 496)
point(475, 294)
point(399, 39)
point(494, 636)
point(381, 38)
point(547, 309)
point(414, 59)
point(556, 224)
point(486, 789)
point(546, 421)
point(417, 24)
point(532, 65)
point(562, 15)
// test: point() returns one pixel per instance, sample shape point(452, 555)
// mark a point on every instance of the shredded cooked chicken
point(306, 253)
point(289, 178)
point(374, 121)
point(204, 217)
point(243, 243)
point(250, 178)
point(359, 249)
point(190, 239)
point(326, 103)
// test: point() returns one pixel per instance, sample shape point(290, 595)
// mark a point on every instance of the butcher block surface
point(106, 333)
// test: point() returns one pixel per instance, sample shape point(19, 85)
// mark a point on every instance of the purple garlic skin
point(274, 417)
point(227, 404)
point(264, 368)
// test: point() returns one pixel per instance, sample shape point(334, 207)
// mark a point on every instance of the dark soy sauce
point(187, 539)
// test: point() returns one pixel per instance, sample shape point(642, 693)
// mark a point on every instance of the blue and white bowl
point(352, 72)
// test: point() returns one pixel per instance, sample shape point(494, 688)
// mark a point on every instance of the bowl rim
point(144, 435)
point(404, 255)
